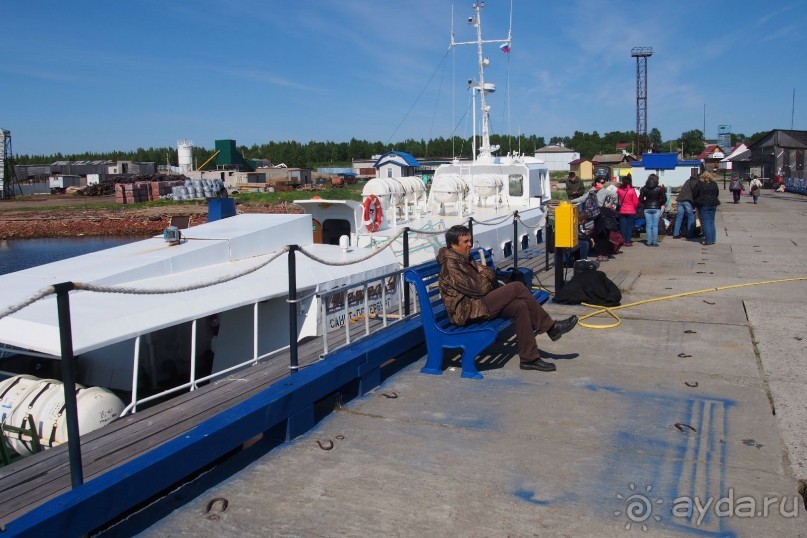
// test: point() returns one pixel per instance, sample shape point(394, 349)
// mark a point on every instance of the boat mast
point(485, 150)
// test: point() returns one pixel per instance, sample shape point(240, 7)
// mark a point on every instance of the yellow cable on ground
point(610, 309)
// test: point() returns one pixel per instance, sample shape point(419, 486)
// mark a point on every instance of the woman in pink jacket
point(628, 203)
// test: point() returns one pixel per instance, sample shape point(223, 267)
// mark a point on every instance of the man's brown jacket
point(462, 286)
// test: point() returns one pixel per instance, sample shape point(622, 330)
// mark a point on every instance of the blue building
point(671, 171)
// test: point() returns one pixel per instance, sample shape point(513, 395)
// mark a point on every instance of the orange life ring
point(372, 213)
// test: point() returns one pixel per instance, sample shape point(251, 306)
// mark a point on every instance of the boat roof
point(326, 202)
point(209, 252)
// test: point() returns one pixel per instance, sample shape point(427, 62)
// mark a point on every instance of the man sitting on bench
point(469, 293)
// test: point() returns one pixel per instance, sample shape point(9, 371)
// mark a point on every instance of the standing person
point(652, 197)
point(736, 188)
point(598, 197)
point(628, 204)
point(705, 195)
point(755, 187)
point(686, 209)
point(574, 187)
point(468, 292)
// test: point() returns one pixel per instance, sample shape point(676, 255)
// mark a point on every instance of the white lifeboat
point(387, 189)
point(414, 192)
point(486, 185)
point(27, 400)
point(448, 188)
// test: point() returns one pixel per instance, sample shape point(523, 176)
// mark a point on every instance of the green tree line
point(314, 154)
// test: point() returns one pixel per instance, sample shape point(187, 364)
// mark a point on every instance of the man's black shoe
point(561, 327)
point(539, 365)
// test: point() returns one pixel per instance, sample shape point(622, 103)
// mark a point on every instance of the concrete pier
point(688, 418)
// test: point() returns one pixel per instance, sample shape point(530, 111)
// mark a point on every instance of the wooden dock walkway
point(31, 481)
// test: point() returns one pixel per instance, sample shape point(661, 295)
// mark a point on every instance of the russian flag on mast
point(505, 48)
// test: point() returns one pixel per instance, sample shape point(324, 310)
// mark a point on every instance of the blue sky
point(100, 76)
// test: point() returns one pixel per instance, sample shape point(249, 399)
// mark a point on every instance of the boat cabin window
point(508, 249)
point(389, 172)
point(525, 242)
point(333, 229)
point(516, 185)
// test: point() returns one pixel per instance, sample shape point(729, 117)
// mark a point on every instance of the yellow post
point(566, 225)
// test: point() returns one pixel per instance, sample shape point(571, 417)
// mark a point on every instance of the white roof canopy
point(211, 251)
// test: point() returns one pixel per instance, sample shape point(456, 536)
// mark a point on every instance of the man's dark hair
point(454, 233)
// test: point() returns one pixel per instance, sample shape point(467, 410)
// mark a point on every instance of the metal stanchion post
point(406, 264)
point(293, 309)
point(69, 382)
point(515, 240)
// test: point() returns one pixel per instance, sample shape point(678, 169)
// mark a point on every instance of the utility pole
point(641, 54)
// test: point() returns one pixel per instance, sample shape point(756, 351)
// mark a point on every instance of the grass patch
point(349, 192)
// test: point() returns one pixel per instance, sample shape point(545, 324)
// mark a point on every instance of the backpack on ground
point(591, 207)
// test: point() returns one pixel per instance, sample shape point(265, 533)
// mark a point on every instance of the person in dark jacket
point(705, 195)
point(652, 197)
point(574, 187)
point(469, 293)
point(686, 209)
point(736, 188)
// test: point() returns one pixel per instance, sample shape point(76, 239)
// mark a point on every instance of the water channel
point(19, 254)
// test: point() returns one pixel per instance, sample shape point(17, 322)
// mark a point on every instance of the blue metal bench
point(441, 333)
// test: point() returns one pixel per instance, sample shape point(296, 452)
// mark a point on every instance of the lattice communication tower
point(641, 54)
point(7, 178)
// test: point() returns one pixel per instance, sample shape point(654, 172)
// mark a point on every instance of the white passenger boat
point(136, 344)
point(490, 189)
point(152, 318)
point(135, 341)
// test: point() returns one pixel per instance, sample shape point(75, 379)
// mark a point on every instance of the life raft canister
point(372, 213)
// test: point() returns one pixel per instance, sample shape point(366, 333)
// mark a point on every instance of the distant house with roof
point(711, 156)
point(779, 153)
point(557, 156)
point(604, 164)
point(736, 161)
point(365, 168)
point(396, 164)
point(583, 168)
point(623, 147)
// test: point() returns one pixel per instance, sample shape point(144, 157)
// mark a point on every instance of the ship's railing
point(63, 289)
point(389, 286)
point(381, 298)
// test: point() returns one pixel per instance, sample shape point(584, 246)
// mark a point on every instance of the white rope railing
point(374, 252)
point(44, 292)
point(41, 294)
point(519, 219)
point(496, 221)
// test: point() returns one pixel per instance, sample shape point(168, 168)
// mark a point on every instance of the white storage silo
point(185, 153)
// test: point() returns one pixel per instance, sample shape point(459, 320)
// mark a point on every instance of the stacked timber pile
point(143, 191)
point(103, 188)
